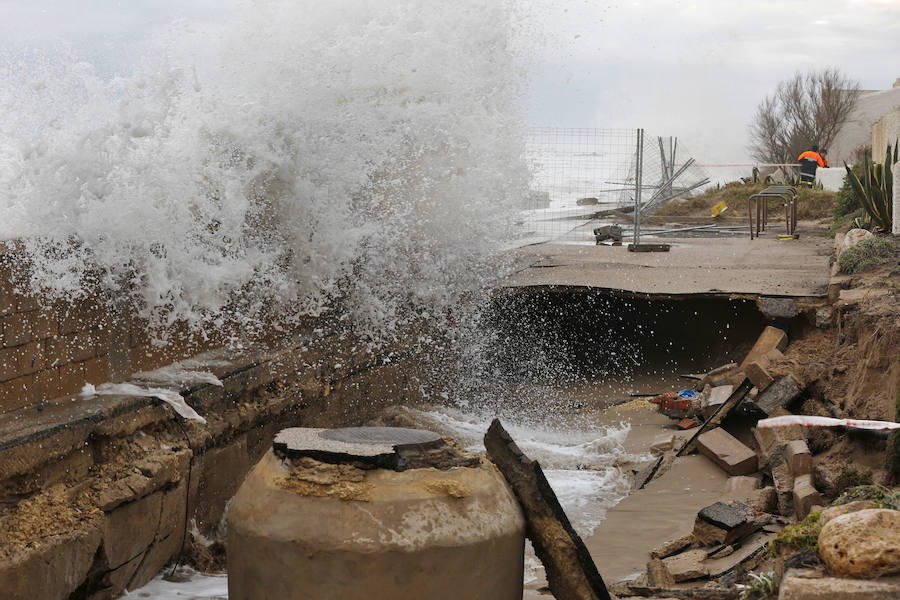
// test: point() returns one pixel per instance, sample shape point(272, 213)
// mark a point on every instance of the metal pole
point(638, 165)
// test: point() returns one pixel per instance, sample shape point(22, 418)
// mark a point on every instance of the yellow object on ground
point(719, 208)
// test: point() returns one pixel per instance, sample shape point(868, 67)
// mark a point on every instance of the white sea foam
point(306, 153)
point(580, 463)
point(194, 586)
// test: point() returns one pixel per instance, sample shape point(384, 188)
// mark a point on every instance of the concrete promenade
point(717, 266)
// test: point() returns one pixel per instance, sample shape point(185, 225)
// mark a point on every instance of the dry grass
point(814, 204)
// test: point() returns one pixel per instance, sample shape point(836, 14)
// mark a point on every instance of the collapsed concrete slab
point(726, 451)
point(721, 523)
point(687, 565)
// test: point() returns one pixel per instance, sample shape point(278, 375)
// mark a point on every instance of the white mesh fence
point(581, 175)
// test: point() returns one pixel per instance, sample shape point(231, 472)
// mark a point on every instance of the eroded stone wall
point(99, 487)
point(51, 349)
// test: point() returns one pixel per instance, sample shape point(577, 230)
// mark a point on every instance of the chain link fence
point(581, 175)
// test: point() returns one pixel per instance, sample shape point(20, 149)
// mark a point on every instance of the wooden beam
point(571, 573)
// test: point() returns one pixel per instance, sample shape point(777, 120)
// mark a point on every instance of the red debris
point(687, 423)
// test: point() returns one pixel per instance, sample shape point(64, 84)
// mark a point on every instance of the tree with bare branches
point(805, 110)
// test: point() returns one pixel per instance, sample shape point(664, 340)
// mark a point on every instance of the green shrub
point(761, 587)
point(802, 536)
point(850, 478)
point(869, 253)
point(875, 189)
point(883, 497)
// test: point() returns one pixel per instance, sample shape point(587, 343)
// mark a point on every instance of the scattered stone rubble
point(773, 475)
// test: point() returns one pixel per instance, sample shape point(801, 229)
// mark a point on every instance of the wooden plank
point(571, 572)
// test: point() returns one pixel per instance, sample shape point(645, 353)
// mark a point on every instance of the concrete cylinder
point(300, 528)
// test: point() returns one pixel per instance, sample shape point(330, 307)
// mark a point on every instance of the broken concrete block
point(687, 565)
point(658, 575)
point(721, 523)
point(779, 395)
point(758, 370)
point(726, 451)
point(805, 495)
point(798, 457)
point(777, 308)
point(673, 546)
point(784, 486)
point(771, 438)
point(715, 398)
point(771, 338)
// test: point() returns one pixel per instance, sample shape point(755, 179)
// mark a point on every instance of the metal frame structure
point(787, 194)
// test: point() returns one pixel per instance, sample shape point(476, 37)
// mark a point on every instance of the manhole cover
point(396, 436)
point(383, 447)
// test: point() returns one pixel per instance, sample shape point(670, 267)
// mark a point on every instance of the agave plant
point(875, 191)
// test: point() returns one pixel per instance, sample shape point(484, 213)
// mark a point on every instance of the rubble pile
point(777, 526)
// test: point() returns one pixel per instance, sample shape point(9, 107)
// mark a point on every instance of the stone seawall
point(95, 492)
point(50, 349)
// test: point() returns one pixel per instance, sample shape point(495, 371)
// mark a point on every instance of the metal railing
point(786, 194)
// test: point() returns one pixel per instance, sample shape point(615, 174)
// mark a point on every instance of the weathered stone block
point(757, 371)
point(727, 452)
point(130, 529)
point(865, 543)
point(221, 471)
point(764, 500)
point(53, 568)
point(687, 565)
point(672, 546)
point(798, 457)
point(779, 395)
point(777, 308)
point(810, 585)
point(169, 536)
point(715, 398)
point(658, 575)
point(772, 438)
point(784, 487)
point(843, 509)
point(805, 496)
point(721, 523)
point(771, 338)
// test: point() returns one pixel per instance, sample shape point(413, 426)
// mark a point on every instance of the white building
point(859, 130)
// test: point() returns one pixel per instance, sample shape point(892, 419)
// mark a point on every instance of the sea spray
point(364, 155)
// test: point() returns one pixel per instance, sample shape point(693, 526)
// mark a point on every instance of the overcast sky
point(695, 69)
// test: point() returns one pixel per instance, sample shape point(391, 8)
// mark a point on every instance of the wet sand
point(665, 509)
